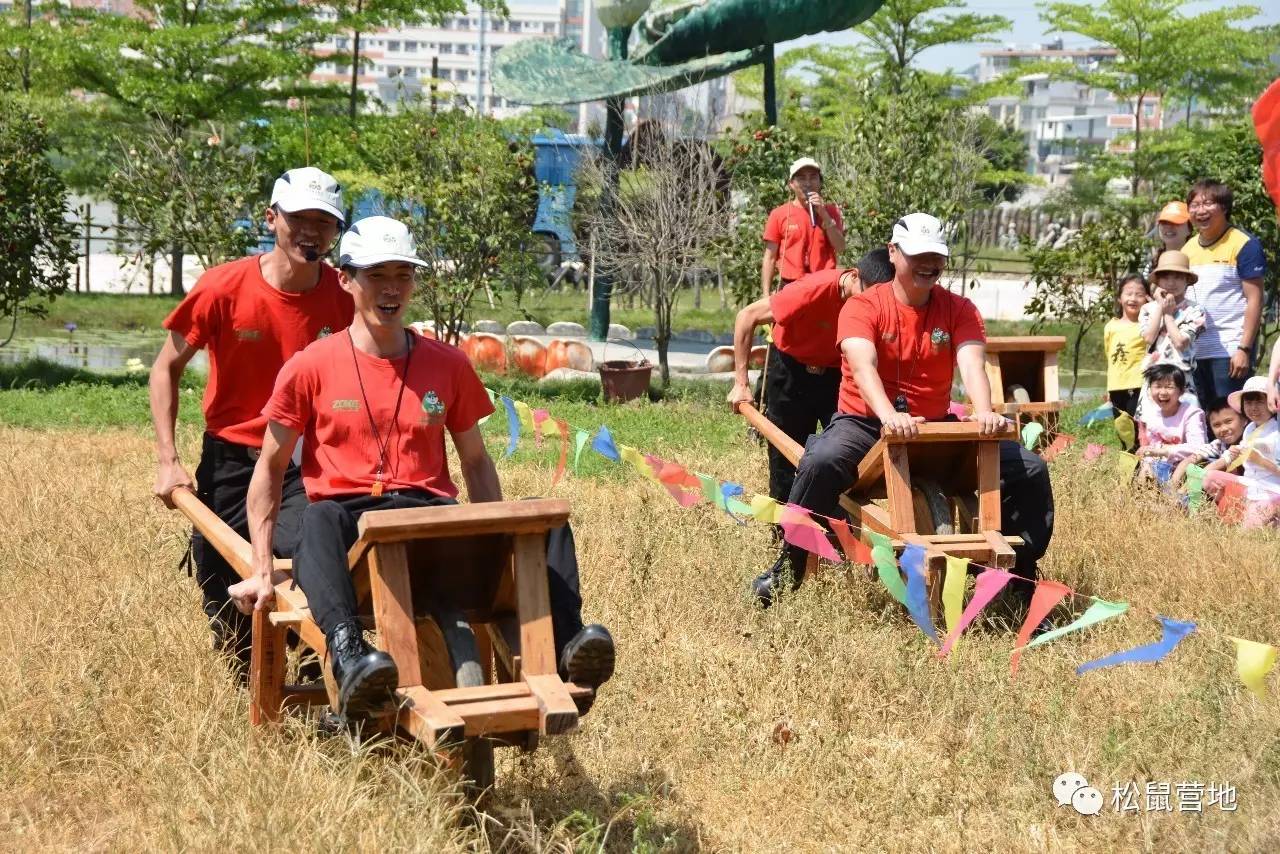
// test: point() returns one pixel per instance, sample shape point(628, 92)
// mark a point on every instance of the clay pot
point(486, 352)
point(530, 356)
point(563, 353)
point(758, 354)
point(720, 360)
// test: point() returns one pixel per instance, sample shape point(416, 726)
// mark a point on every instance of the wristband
point(1243, 348)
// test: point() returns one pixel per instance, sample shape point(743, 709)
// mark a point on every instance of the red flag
point(855, 550)
point(674, 478)
point(539, 415)
point(1266, 121)
point(564, 450)
point(1048, 594)
point(799, 529)
point(1231, 502)
point(1059, 444)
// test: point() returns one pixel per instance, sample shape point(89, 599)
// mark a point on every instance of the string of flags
point(802, 527)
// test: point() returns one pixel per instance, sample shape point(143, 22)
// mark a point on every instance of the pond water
point(93, 355)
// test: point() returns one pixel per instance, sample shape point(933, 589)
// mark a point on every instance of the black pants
point(799, 401)
point(1026, 496)
point(329, 530)
point(222, 480)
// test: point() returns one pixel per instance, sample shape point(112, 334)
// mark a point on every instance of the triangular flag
point(1245, 451)
point(989, 583)
point(1231, 502)
point(1253, 662)
point(765, 509)
point(711, 489)
point(563, 427)
point(1102, 413)
point(1174, 631)
point(1031, 433)
point(636, 460)
point(800, 530)
point(1097, 612)
point(1195, 487)
point(1124, 465)
point(735, 508)
point(1266, 123)
point(604, 445)
point(887, 567)
point(958, 409)
point(1059, 444)
point(1127, 430)
point(953, 590)
point(855, 550)
point(674, 478)
point(580, 440)
point(513, 425)
point(540, 417)
point(1048, 594)
point(526, 415)
point(1162, 470)
point(1092, 451)
point(917, 593)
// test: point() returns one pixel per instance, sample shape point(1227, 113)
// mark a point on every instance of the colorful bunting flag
point(1173, 633)
point(887, 566)
point(1195, 487)
point(953, 590)
point(1031, 433)
point(1127, 430)
point(1124, 465)
point(765, 509)
point(989, 583)
point(1102, 413)
point(1097, 612)
point(1266, 123)
point(1048, 594)
point(855, 550)
point(799, 529)
point(526, 415)
point(540, 417)
point(1059, 444)
point(563, 427)
point(1253, 662)
point(1162, 470)
point(604, 445)
point(711, 490)
point(1231, 501)
point(1092, 451)
point(637, 461)
point(513, 425)
point(679, 483)
point(736, 509)
point(958, 409)
point(917, 591)
point(580, 440)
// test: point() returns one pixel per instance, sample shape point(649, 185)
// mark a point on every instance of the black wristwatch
point(1245, 349)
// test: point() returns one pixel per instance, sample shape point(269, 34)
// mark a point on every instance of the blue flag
point(912, 562)
point(604, 446)
point(1174, 632)
point(731, 490)
point(1102, 413)
point(513, 425)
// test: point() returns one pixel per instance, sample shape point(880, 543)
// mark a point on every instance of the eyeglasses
point(1202, 205)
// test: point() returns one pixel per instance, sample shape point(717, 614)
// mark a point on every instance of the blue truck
point(555, 162)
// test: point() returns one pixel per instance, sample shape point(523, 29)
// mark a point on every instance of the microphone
point(813, 220)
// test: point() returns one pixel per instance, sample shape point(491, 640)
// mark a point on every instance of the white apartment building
point(399, 61)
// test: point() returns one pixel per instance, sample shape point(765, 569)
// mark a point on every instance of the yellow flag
point(1245, 450)
point(1253, 662)
point(953, 590)
point(526, 415)
point(636, 460)
point(1125, 465)
point(765, 509)
point(550, 428)
point(1126, 429)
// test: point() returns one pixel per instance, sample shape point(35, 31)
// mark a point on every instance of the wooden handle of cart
point(790, 448)
point(219, 534)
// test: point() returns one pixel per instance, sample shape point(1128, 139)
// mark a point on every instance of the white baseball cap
point(376, 240)
point(801, 164)
point(308, 189)
point(918, 233)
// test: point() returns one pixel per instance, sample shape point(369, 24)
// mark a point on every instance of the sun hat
point(801, 164)
point(1175, 212)
point(918, 233)
point(308, 189)
point(1253, 385)
point(377, 240)
point(1173, 261)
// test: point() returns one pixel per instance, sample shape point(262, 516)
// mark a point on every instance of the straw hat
point(1174, 261)
point(1253, 385)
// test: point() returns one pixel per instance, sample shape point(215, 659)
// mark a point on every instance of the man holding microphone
point(805, 234)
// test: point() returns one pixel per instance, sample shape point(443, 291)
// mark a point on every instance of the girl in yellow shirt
point(1124, 346)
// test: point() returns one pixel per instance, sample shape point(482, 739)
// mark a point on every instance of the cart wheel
point(1019, 394)
point(464, 654)
point(933, 510)
point(966, 508)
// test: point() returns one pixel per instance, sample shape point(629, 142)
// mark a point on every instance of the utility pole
point(480, 68)
point(355, 63)
point(770, 89)
point(26, 51)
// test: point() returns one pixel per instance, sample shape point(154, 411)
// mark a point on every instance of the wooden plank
point(427, 719)
point(497, 717)
point(871, 468)
point(484, 645)
point(1026, 343)
point(285, 618)
point(988, 486)
point(950, 431)
point(393, 610)
point(1001, 553)
point(266, 670)
point(1052, 394)
point(897, 487)
point(305, 695)
point(788, 447)
point(462, 520)
point(498, 691)
point(557, 712)
point(533, 604)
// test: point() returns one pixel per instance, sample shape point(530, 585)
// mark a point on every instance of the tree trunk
point(664, 370)
point(355, 70)
point(1137, 146)
point(175, 271)
point(697, 289)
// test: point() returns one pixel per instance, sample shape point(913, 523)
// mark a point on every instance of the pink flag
point(958, 409)
point(1048, 594)
point(564, 450)
point(989, 583)
point(1092, 451)
point(799, 529)
point(855, 550)
point(539, 415)
point(674, 478)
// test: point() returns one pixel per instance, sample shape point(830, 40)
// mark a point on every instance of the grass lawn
point(120, 730)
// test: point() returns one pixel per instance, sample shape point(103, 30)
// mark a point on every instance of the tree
point(1076, 284)
point(468, 194)
point(903, 29)
point(669, 217)
point(1161, 53)
point(38, 243)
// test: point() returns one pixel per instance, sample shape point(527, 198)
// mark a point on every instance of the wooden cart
point(939, 490)
point(458, 597)
point(1023, 371)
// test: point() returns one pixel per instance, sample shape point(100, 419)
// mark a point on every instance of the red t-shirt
point(804, 318)
point(915, 347)
point(802, 248)
point(318, 393)
point(251, 330)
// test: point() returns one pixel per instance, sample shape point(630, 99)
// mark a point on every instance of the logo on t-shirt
point(324, 332)
point(939, 338)
point(248, 335)
point(346, 405)
point(434, 409)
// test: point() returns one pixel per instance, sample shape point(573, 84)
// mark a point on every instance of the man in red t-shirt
point(805, 234)
point(902, 343)
point(251, 315)
point(802, 374)
point(372, 404)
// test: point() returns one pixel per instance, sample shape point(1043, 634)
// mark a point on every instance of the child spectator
point(1171, 323)
point(1227, 426)
point(1169, 420)
point(1125, 347)
point(1261, 452)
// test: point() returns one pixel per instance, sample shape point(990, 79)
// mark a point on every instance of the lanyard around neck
point(383, 445)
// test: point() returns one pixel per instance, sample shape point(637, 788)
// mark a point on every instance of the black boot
point(588, 659)
point(769, 583)
point(366, 677)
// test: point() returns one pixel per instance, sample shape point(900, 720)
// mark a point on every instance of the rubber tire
point(464, 654)
point(966, 507)
point(1019, 394)
point(940, 512)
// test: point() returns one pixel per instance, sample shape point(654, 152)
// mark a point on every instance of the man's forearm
point(872, 390)
point(766, 274)
point(834, 235)
point(482, 481)
point(978, 387)
point(164, 410)
point(1252, 315)
point(744, 325)
point(263, 507)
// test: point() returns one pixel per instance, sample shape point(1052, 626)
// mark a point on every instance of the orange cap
point(1175, 212)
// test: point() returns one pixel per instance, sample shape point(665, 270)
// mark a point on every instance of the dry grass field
point(120, 731)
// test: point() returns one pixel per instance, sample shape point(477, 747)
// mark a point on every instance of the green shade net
point(681, 44)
